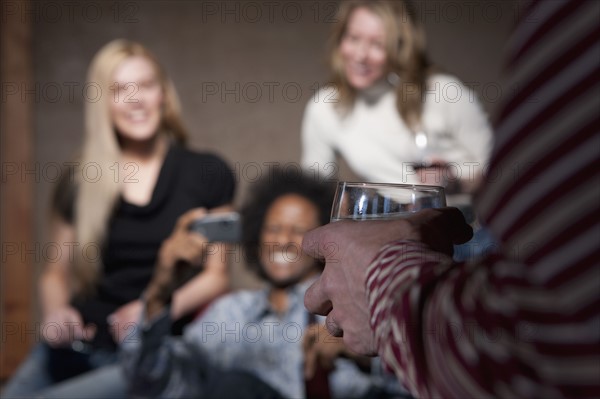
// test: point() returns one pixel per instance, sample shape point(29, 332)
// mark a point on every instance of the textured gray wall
point(234, 47)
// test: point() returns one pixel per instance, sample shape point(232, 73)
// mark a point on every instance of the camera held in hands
point(219, 227)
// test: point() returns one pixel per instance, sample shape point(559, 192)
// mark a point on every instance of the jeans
point(34, 378)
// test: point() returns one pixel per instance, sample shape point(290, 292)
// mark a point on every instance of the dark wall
point(244, 69)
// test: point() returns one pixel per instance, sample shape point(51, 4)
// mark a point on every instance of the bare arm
point(55, 291)
point(54, 287)
point(192, 249)
point(211, 282)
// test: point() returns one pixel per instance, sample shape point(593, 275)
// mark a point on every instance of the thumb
point(89, 332)
point(188, 217)
point(310, 353)
point(310, 362)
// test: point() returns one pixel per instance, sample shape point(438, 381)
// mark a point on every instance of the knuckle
point(327, 285)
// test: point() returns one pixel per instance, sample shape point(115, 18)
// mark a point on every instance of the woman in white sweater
point(388, 111)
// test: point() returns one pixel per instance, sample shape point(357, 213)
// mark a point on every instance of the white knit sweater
point(377, 144)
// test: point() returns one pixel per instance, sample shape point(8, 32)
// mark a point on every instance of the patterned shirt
point(525, 321)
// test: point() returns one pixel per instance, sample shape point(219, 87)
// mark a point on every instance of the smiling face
point(286, 222)
point(362, 49)
point(137, 100)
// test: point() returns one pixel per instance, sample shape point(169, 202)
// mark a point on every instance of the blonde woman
point(126, 206)
point(388, 109)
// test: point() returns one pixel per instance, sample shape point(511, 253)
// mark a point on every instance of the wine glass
point(383, 201)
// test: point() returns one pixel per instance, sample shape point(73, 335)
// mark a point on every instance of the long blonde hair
point(405, 49)
point(97, 189)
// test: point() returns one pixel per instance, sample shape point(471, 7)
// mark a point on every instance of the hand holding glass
point(382, 201)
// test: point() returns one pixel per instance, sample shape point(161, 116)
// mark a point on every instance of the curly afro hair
point(265, 192)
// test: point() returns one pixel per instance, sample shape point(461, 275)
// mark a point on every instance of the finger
point(462, 231)
point(309, 350)
point(332, 326)
point(73, 316)
point(459, 229)
point(310, 361)
point(448, 220)
point(193, 214)
point(308, 340)
point(312, 240)
point(74, 325)
point(135, 311)
point(326, 361)
point(188, 247)
point(89, 332)
point(196, 245)
point(315, 299)
point(115, 334)
point(55, 342)
point(222, 209)
point(78, 332)
point(196, 240)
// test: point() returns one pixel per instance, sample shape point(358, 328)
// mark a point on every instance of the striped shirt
point(524, 321)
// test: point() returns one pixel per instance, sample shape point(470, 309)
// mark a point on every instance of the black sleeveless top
point(186, 180)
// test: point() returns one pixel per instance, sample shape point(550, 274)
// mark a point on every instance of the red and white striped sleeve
point(525, 321)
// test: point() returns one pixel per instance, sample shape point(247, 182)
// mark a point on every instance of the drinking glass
point(383, 201)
